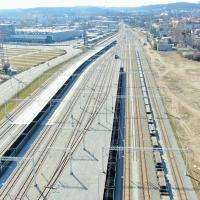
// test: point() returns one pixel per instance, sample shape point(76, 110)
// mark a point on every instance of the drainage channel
point(35, 127)
point(113, 189)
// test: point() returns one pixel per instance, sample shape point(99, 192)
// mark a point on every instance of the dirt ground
point(179, 81)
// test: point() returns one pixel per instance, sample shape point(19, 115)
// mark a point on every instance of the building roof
point(42, 30)
point(6, 25)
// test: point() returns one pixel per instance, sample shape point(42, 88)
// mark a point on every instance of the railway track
point(96, 97)
point(10, 127)
point(141, 138)
point(76, 141)
point(171, 157)
point(39, 142)
point(6, 126)
point(180, 191)
point(131, 140)
point(21, 106)
point(128, 137)
point(25, 187)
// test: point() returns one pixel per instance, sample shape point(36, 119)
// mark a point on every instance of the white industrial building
point(44, 35)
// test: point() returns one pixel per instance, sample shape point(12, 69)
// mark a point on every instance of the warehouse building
point(39, 34)
point(44, 35)
point(7, 29)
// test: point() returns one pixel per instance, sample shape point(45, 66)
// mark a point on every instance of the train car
point(144, 89)
point(162, 183)
point(166, 198)
point(145, 94)
point(142, 82)
point(152, 130)
point(146, 101)
point(148, 109)
point(150, 119)
point(154, 142)
point(116, 56)
point(158, 161)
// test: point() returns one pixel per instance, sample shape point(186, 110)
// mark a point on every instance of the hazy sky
point(6, 4)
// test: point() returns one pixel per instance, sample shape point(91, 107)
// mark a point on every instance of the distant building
point(164, 44)
point(160, 29)
point(192, 24)
point(38, 34)
point(195, 32)
point(6, 30)
point(44, 35)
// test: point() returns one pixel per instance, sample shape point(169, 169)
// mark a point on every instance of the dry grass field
point(24, 58)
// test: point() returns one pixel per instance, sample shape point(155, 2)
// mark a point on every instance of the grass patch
point(29, 89)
